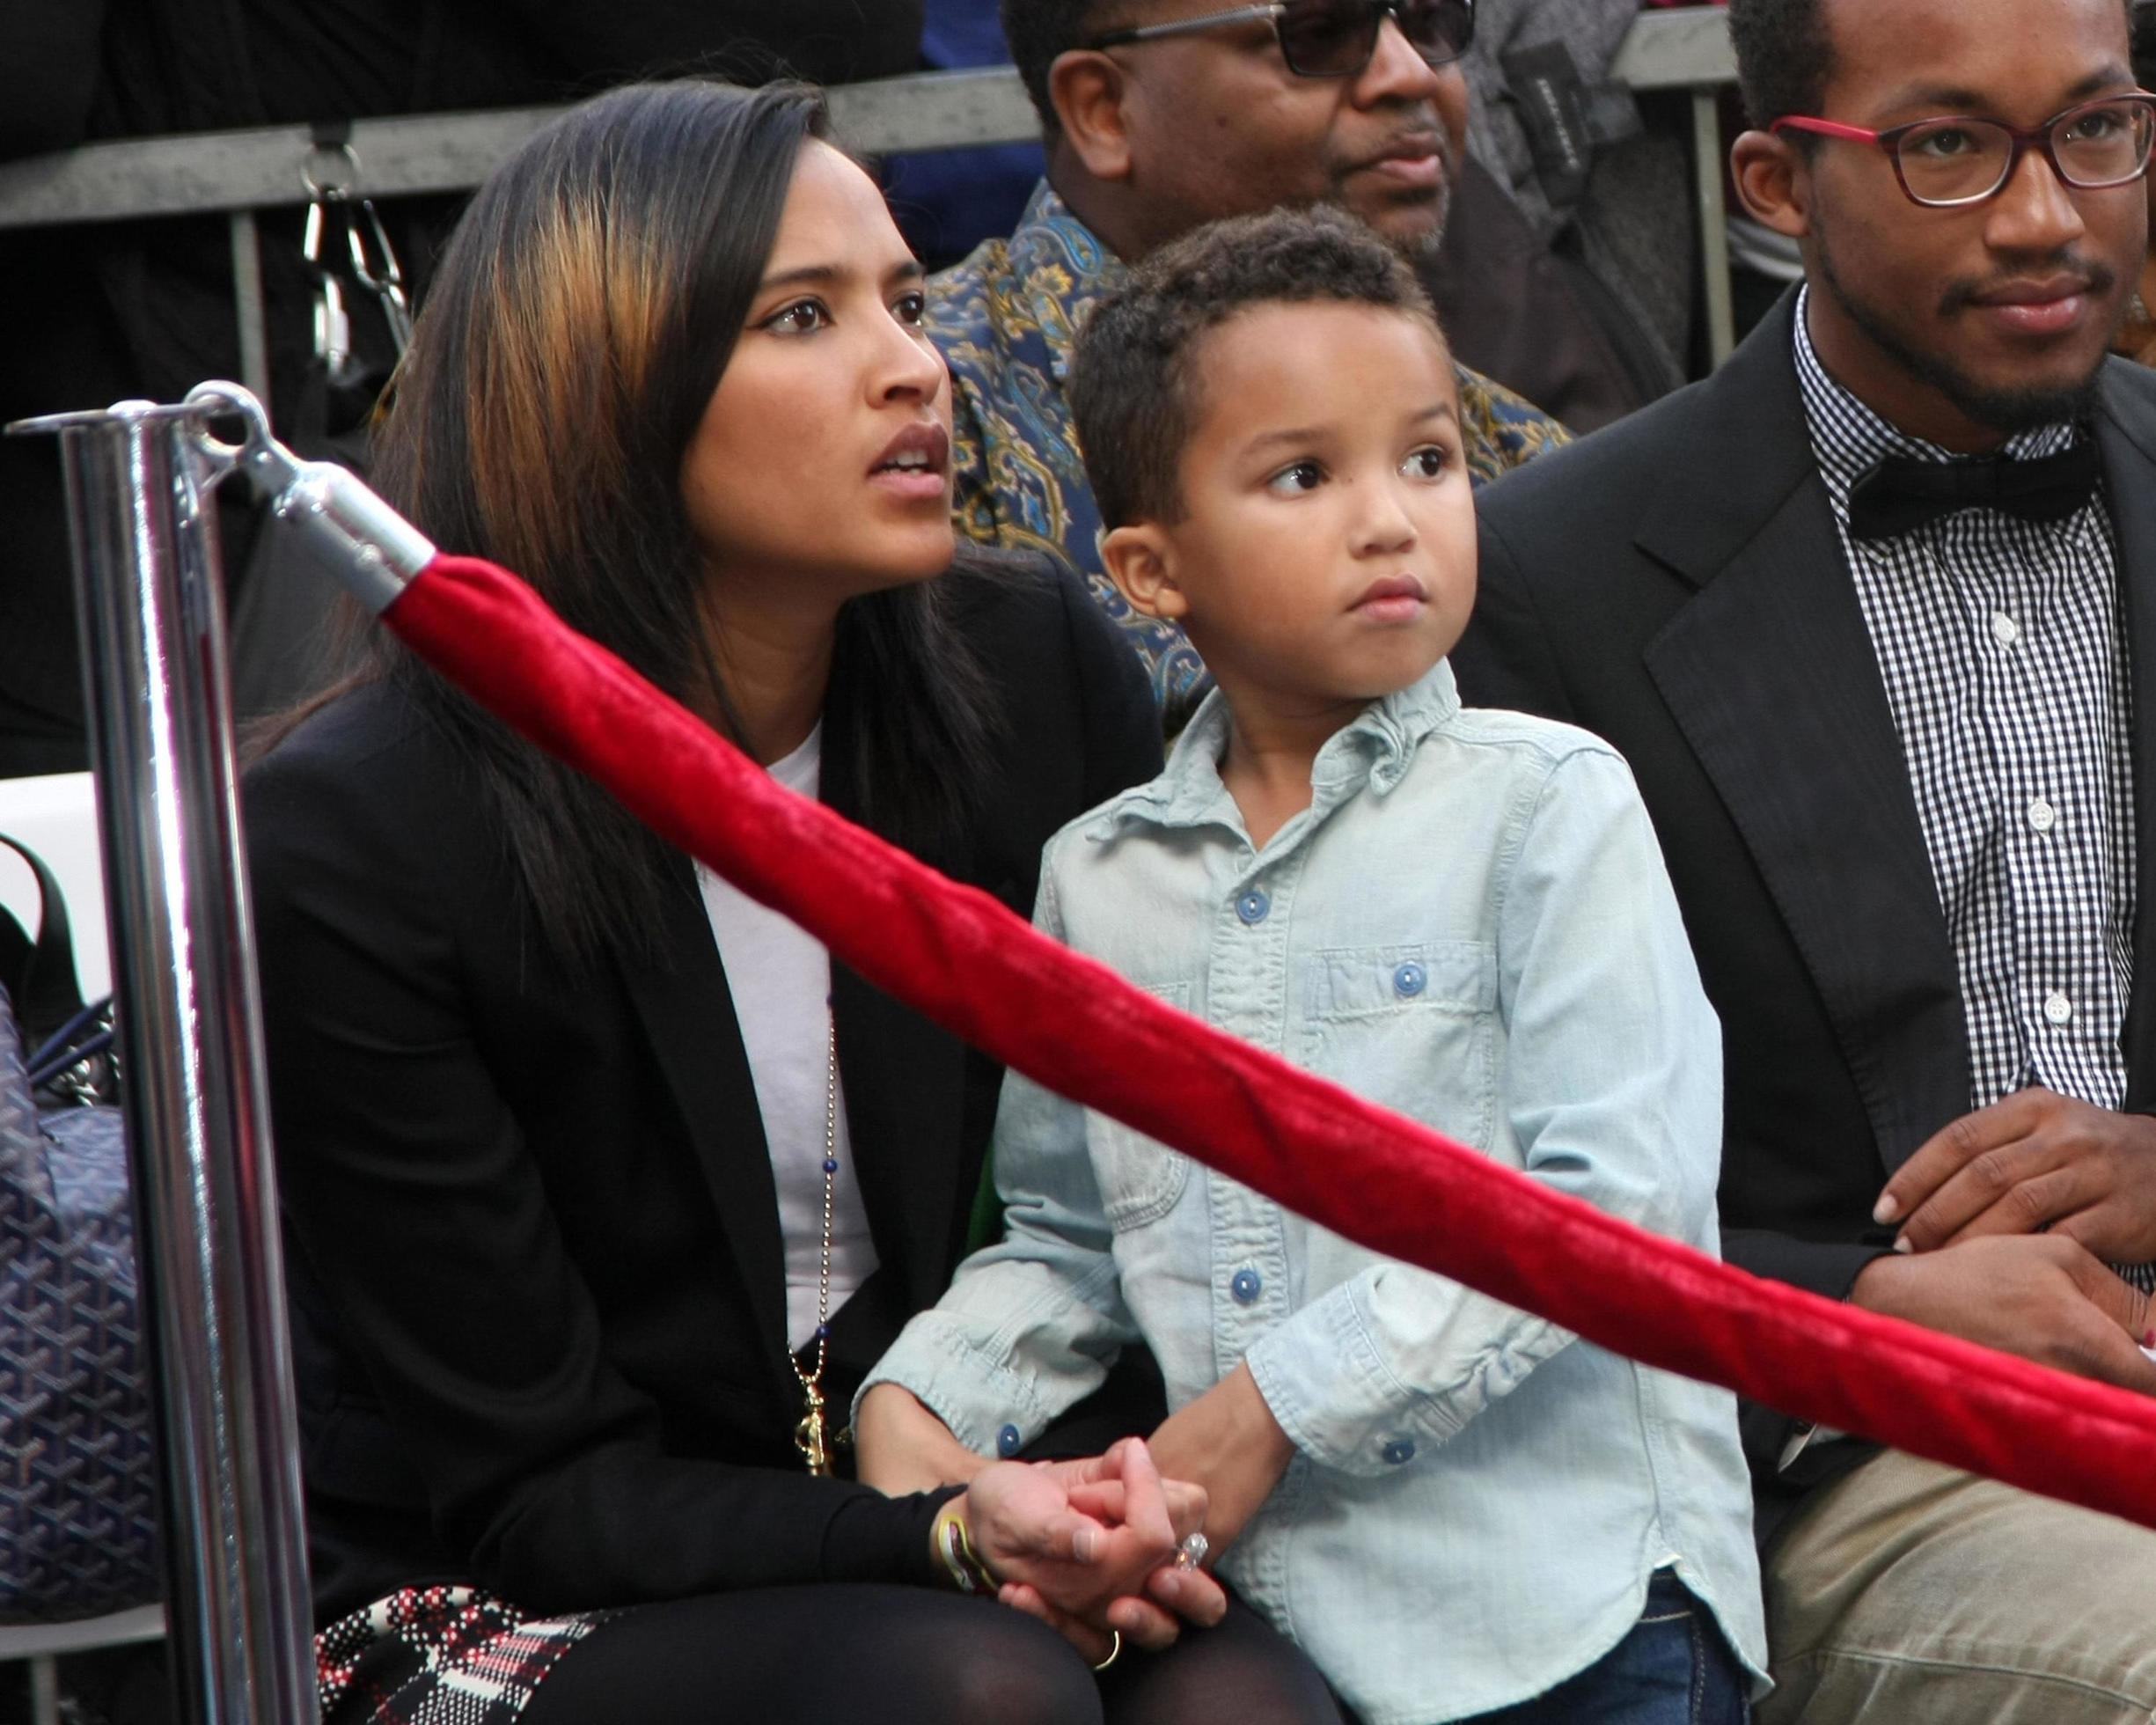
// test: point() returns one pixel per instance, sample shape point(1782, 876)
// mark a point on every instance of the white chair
point(43, 1643)
point(57, 817)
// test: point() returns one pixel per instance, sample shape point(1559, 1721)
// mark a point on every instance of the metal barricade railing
point(149, 600)
point(237, 174)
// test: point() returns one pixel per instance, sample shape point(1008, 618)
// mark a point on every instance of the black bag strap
point(40, 975)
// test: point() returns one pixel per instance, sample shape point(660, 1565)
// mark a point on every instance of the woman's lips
point(915, 465)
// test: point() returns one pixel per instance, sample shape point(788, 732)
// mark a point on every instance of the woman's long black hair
point(573, 335)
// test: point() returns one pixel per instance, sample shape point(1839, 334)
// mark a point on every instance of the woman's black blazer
point(533, 1245)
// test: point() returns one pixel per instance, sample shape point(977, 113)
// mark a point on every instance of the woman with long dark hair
point(604, 1184)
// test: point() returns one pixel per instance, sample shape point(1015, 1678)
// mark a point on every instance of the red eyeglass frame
point(2024, 138)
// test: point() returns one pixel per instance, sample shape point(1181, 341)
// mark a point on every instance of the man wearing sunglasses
point(1160, 116)
point(1872, 613)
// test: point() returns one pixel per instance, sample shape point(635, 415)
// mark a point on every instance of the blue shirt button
point(1246, 1285)
point(1400, 1450)
point(1253, 906)
point(1410, 979)
point(1007, 1442)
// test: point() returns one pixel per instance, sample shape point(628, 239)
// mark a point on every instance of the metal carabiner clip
point(384, 278)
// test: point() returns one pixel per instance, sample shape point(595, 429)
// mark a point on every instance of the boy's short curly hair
point(1134, 383)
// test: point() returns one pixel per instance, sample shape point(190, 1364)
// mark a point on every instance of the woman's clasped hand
point(1088, 1546)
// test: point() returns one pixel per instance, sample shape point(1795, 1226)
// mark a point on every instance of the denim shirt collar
point(1374, 750)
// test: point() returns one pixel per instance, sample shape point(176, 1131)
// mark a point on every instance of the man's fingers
point(2120, 1301)
point(2032, 1205)
point(1981, 1182)
point(1951, 1149)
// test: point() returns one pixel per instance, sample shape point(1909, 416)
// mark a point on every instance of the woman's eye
point(912, 308)
point(799, 319)
point(1293, 482)
point(1430, 461)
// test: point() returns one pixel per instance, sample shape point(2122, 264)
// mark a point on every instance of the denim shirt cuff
point(1327, 1383)
point(989, 1408)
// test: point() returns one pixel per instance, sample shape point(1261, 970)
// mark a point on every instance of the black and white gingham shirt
point(2000, 645)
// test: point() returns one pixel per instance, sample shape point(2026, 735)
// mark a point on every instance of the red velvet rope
point(958, 956)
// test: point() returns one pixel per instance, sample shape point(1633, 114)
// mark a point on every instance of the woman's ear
point(1773, 179)
point(1088, 89)
point(1141, 561)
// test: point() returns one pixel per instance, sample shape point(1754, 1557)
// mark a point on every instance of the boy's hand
point(901, 1447)
point(1228, 1442)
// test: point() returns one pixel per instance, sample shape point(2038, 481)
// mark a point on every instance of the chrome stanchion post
point(149, 601)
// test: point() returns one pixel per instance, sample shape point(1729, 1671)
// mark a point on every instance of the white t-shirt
point(780, 980)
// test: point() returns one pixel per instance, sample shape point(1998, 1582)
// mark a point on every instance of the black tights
point(898, 1656)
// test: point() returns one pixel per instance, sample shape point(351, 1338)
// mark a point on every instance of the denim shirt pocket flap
point(1349, 983)
point(1140, 1177)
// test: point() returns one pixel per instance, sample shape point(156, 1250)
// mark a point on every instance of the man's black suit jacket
point(536, 1269)
point(1676, 584)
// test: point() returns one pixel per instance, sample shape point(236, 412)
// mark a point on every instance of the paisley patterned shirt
point(1006, 319)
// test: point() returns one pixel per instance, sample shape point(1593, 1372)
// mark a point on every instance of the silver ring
point(1193, 1552)
point(1115, 1650)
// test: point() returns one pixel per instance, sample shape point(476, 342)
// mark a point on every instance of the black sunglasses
point(1331, 38)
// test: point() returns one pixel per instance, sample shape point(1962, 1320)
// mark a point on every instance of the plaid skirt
point(438, 1655)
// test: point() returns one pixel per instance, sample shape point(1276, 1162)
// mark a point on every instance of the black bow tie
point(1898, 495)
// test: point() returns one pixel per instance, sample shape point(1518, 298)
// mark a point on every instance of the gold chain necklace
point(812, 1437)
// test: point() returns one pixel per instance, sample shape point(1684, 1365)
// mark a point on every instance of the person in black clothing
point(145, 308)
point(1872, 614)
point(601, 1180)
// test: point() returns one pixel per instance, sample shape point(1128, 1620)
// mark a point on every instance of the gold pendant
point(809, 1439)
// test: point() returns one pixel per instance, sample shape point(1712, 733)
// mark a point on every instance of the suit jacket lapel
point(904, 1080)
point(682, 996)
point(1769, 672)
point(2126, 433)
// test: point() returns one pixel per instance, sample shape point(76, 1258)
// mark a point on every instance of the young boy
point(1457, 1509)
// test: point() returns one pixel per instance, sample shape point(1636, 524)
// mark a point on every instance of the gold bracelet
point(954, 1545)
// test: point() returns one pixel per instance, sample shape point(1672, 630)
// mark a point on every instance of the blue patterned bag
point(78, 1485)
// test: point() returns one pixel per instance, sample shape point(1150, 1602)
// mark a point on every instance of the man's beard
point(2003, 410)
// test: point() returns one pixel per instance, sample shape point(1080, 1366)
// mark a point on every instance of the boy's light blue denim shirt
point(1471, 923)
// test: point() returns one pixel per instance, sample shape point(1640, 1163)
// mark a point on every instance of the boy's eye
point(802, 316)
point(1293, 480)
point(1430, 461)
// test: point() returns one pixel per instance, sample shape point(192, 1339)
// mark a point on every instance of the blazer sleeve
point(425, 1223)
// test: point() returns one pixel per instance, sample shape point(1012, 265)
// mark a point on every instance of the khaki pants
point(1909, 1594)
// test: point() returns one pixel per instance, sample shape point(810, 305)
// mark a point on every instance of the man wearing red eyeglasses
point(1872, 613)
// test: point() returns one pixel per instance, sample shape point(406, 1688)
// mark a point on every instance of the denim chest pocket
point(1411, 1025)
point(1140, 1178)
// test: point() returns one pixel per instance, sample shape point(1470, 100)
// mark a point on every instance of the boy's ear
point(1137, 558)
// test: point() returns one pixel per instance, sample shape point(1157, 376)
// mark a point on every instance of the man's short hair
point(1785, 57)
point(1134, 387)
point(1037, 31)
point(2145, 44)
